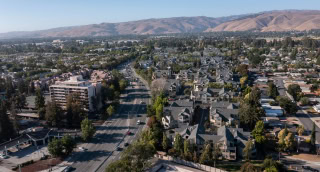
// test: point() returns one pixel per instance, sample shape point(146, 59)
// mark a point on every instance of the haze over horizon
point(19, 15)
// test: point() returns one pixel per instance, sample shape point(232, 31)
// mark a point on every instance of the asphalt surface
point(302, 115)
point(102, 150)
point(306, 121)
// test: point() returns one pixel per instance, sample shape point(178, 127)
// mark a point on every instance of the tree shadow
point(89, 156)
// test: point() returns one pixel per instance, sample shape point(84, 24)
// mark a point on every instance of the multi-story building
point(84, 91)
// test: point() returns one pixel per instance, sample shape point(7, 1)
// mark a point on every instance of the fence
point(189, 163)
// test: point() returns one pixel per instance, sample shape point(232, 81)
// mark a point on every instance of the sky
point(28, 15)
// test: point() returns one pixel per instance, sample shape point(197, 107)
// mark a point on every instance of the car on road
point(2, 156)
point(126, 144)
point(138, 122)
point(141, 102)
point(82, 149)
point(67, 169)
point(118, 148)
point(309, 169)
point(129, 132)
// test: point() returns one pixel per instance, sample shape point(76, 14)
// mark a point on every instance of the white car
point(3, 156)
point(82, 149)
point(138, 122)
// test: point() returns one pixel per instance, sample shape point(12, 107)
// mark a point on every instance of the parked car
point(2, 156)
point(128, 133)
point(138, 122)
point(126, 144)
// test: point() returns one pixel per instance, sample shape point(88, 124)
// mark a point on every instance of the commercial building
point(84, 90)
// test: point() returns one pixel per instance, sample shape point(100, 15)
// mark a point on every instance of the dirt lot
point(308, 157)
point(41, 165)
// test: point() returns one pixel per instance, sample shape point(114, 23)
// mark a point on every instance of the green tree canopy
point(68, 144)
point(258, 132)
point(53, 114)
point(294, 90)
point(178, 143)
point(272, 90)
point(55, 148)
point(39, 100)
point(87, 129)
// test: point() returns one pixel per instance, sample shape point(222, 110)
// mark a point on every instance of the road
point(101, 151)
point(302, 115)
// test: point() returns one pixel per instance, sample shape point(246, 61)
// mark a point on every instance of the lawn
point(235, 166)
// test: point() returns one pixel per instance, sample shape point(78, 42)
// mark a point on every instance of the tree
point(270, 165)
point(250, 114)
point(122, 84)
point(243, 69)
point(313, 138)
point(304, 101)
point(258, 132)
point(248, 167)
point(186, 148)
point(314, 87)
point(55, 148)
point(288, 106)
point(159, 111)
point(53, 114)
point(294, 90)
point(75, 112)
point(289, 141)
point(110, 110)
point(205, 156)
point(6, 127)
point(87, 129)
point(281, 138)
point(300, 130)
point(14, 118)
point(68, 144)
point(178, 144)
point(135, 158)
point(39, 100)
point(216, 153)
point(247, 150)
point(165, 142)
point(272, 90)
point(243, 81)
point(31, 88)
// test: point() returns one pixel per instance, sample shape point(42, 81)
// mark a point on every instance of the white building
point(82, 88)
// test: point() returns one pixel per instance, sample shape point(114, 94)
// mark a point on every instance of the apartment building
point(84, 90)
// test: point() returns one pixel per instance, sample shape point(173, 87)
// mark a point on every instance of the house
point(224, 116)
point(162, 74)
point(231, 141)
point(168, 121)
point(180, 112)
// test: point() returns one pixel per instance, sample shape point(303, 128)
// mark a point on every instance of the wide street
point(102, 149)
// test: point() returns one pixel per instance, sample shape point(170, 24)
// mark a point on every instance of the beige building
point(75, 85)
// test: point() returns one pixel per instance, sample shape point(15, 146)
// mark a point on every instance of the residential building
point(84, 90)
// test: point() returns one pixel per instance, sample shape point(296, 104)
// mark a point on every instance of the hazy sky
point(25, 15)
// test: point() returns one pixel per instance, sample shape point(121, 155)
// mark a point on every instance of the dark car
point(126, 144)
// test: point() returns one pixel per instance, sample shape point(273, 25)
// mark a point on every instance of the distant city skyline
point(21, 15)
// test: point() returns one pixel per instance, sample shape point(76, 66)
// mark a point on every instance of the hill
point(288, 20)
point(273, 21)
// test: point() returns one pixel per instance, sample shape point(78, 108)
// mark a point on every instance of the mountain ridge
point(277, 20)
